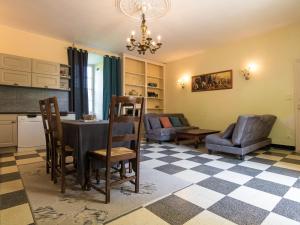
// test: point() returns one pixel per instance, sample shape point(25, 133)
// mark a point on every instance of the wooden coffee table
point(196, 135)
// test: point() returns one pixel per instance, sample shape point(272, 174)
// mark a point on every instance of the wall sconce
point(183, 81)
point(247, 71)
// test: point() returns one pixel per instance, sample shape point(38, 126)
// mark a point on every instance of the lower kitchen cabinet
point(8, 130)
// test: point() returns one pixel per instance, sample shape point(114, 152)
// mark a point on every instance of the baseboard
point(285, 147)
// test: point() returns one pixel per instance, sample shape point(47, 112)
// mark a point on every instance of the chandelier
point(143, 9)
point(146, 43)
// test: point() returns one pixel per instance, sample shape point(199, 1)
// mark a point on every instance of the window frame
point(92, 66)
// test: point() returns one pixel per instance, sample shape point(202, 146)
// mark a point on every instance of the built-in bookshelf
point(142, 77)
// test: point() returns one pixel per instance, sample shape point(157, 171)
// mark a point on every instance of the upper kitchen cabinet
point(45, 81)
point(16, 78)
point(45, 67)
point(16, 63)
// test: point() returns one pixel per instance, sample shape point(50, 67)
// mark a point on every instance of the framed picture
point(212, 81)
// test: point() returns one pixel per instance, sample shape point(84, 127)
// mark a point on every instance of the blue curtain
point(111, 81)
point(78, 98)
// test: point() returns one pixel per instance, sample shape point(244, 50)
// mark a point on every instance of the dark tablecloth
point(88, 136)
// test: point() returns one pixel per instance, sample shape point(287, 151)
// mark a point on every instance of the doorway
point(297, 103)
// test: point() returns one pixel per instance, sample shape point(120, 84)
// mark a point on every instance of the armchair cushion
point(154, 122)
point(165, 122)
point(217, 140)
point(229, 131)
point(175, 121)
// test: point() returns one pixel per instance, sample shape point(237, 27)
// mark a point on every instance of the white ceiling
point(191, 26)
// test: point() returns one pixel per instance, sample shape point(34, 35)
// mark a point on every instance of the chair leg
point(107, 184)
point(130, 166)
point(47, 161)
point(54, 167)
point(122, 170)
point(98, 176)
point(63, 173)
point(137, 177)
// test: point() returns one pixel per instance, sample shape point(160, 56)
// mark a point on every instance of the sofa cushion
point(227, 134)
point(154, 122)
point(163, 131)
point(175, 121)
point(217, 140)
point(184, 122)
point(165, 122)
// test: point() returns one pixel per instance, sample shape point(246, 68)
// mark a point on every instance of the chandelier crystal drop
point(146, 43)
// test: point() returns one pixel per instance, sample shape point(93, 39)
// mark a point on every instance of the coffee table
point(196, 135)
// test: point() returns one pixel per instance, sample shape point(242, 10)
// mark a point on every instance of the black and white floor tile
point(13, 198)
point(263, 189)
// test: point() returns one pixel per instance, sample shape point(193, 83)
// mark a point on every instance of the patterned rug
point(49, 206)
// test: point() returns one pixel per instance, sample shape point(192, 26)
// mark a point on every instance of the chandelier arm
point(130, 48)
point(146, 41)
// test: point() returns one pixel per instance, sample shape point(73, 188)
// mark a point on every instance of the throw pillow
point(229, 131)
point(175, 121)
point(154, 122)
point(165, 122)
point(184, 121)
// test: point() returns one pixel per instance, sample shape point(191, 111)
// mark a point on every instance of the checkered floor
point(13, 198)
point(263, 189)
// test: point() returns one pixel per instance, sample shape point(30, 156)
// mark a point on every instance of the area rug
point(49, 206)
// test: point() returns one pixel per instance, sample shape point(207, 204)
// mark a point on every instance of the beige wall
point(22, 43)
point(269, 91)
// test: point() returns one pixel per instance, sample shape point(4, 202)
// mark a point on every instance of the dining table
point(84, 136)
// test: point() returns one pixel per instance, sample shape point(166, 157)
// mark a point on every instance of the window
point(95, 85)
point(91, 88)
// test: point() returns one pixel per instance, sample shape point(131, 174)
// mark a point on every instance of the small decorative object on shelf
point(88, 117)
point(64, 70)
point(152, 84)
point(152, 94)
point(157, 106)
point(133, 92)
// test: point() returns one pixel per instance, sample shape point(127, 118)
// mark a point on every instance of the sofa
point(248, 134)
point(156, 131)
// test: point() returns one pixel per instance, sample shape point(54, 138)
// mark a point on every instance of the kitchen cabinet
point(17, 63)
point(17, 78)
point(8, 130)
point(45, 67)
point(45, 81)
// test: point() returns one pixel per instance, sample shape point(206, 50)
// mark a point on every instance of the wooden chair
point(60, 150)
point(119, 155)
point(49, 161)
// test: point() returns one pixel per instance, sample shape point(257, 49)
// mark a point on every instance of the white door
point(297, 102)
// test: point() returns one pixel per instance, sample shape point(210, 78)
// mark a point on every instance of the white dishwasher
point(30, 133)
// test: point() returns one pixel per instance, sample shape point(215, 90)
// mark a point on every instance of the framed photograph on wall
point(212, 81)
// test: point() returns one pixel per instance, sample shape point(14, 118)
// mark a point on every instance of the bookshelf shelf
point(138, 73)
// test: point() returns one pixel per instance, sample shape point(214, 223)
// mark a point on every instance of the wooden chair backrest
point(118, 113)
point(53, 116)
point(43, 109)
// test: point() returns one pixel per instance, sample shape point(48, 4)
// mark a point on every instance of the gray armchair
point(248, 134)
